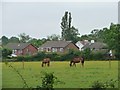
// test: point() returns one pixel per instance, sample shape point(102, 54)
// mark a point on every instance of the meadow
point(72, 77)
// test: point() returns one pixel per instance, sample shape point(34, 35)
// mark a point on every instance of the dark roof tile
point(19, 46)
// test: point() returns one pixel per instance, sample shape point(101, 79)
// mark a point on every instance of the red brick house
point(58, 46)
point(22, 48)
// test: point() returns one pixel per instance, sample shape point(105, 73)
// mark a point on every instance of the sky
point(42, 19)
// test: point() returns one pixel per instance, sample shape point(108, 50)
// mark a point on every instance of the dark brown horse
point(46, 61)
point(77, 60)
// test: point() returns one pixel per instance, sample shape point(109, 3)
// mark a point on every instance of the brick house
point(58, 46)
point(22, 48)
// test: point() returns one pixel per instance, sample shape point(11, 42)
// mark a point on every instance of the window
point(54, 49)
point(27, 50)
point(14, 51)
point(19, 51)
point(41, 49)
point(48, 49)
point(61, 49)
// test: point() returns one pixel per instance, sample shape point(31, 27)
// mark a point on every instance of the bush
point(97, 85)
point(20, 58)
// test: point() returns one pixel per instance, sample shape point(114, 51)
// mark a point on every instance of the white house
point(80, 44)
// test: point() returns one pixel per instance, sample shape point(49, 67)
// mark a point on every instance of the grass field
point(73, 77)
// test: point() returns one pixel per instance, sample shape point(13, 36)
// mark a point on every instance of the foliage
point(36, 42)
point(97, 85)
point(5, 40)
point(20, 58)
point(48, 80)
point(69, 33)
point(14, 40)
point(24, 38)
point(110, 36)
point(87, 53)
point(6, 52)
point(53, 37)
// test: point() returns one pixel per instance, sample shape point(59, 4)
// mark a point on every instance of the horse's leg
point(74, 64)
point(82, 62)
point(70, 63)
point(48, 64)
point(42, 64)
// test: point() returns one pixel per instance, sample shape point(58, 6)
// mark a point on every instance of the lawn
point(73, 77)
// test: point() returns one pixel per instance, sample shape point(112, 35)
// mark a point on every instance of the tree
point(36, 42)
point(69, 33)
point(112, 38)
point(24, 38)
point(5, 40)
point(14, 40)
point(53, 37)
point(6, 52)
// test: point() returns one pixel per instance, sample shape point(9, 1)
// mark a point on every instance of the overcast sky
point(40, 19)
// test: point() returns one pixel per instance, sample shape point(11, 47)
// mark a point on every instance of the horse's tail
point(71, 63)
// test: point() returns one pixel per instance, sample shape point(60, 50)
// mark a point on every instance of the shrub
point(20, 58)
point(97, 85)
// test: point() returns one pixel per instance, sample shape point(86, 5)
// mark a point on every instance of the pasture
point(73, 77)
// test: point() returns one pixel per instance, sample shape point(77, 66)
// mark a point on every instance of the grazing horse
point(77, 60)
point(46, 61)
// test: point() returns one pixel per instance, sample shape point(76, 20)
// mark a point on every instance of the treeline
point(87, 54)
point(22, 38)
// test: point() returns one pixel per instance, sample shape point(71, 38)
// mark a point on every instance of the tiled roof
point(55, 44)
point(96, 45)
point(19, 46)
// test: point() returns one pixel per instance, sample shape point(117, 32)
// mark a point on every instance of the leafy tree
point(24, 38)
point(69, 32)
point(14, 40)
point(53, 37)
point(36, 42)
point(6, 52)
point(5, 40)
point(112, 38)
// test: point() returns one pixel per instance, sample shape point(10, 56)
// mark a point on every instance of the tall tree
point(68, 32)
point(112, 38)
point(24, 38)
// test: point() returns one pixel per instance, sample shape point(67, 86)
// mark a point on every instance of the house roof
point(19, 46)
point(55, 44)
point(96, 45)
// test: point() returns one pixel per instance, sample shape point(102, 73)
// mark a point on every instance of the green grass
point(73, 77)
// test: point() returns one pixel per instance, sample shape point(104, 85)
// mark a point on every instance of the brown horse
point(46, 61)
point(77, 60)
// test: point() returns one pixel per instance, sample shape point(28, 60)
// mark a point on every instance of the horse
point(77, 60)
point(46, 61)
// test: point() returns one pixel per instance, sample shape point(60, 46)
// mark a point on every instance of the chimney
point(92, 41)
